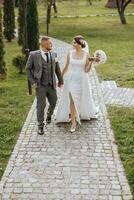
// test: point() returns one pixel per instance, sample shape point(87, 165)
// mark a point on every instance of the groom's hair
point(44, 38)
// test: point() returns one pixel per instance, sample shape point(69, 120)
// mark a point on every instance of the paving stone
point(123, 97)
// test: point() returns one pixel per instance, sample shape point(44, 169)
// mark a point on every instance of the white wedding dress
point(78, 86)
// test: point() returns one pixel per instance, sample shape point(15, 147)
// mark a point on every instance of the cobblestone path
point(119, 97)
point(59, 165)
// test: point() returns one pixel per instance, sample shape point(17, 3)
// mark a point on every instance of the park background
point(102, 28)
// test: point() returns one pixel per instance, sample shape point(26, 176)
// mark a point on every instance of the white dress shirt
point(44, 56)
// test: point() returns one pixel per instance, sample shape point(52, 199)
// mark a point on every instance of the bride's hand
point(60, 86)
point(91, 59)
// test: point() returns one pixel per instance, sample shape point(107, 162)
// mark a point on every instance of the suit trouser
point(42, 93)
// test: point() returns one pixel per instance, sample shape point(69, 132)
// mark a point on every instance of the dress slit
point(75, 105)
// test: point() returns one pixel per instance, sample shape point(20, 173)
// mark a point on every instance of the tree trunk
point(122, 17)
point(90, 2)
point(111, 4)
point(16, 3)
point(48, 18)
point(20, 69)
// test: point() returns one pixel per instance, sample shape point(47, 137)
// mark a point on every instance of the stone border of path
point(117, 96)
point(90, 15)
point(26, 130)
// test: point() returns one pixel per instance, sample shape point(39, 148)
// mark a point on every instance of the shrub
point(19, 61)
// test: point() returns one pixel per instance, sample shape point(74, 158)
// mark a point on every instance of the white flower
point(100, 57)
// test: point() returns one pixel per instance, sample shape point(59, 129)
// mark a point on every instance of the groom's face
point(46, 44)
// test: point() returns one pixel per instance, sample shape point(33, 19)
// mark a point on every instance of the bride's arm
point(66, 65)
point(88, 64)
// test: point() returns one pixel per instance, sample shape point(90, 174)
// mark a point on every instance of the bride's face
point(75, 44)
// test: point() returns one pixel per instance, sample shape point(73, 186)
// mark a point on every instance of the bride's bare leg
point(73, 112)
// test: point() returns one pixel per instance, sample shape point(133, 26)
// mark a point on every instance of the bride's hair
point(80, 40)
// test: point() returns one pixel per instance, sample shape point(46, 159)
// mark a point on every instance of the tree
point(49, 4)
point(16, 3)
point(21, 22)
point(48, 18)
point(9, 19)
point(111, 4)
point(32, 25)
point(121, 6)
point(2, 62)
point(90, 2)
point(53, 4)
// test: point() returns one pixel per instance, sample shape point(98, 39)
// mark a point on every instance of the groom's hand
point(60, 85)
point(35, 85)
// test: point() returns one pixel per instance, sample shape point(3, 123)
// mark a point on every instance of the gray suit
point(43, 75)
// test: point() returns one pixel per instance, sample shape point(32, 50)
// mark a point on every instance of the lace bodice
point(77, 64)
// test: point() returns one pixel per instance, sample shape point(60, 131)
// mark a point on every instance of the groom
point(41, 68)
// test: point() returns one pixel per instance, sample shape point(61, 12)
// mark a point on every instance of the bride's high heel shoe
point(73, 128)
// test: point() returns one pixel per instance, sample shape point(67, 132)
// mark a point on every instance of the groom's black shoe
point(40, 131)
point(48, 120)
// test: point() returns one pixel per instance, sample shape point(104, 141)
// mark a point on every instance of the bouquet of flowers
point(99, 57)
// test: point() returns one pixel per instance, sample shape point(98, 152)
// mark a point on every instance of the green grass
point(122, 120)
point(14, 105)
point(104, 33)
point(75, 7)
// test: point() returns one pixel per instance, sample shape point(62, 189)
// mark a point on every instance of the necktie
point(47, 57)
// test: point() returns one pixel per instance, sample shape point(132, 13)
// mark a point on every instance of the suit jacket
point(34, 68)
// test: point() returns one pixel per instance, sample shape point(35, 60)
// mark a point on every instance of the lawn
point(82, 7)
point(14, 105)
point(122, 120)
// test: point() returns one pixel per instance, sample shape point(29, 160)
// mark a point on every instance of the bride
point(76, 98)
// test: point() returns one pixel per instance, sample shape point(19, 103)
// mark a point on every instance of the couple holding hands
point(76, 99)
